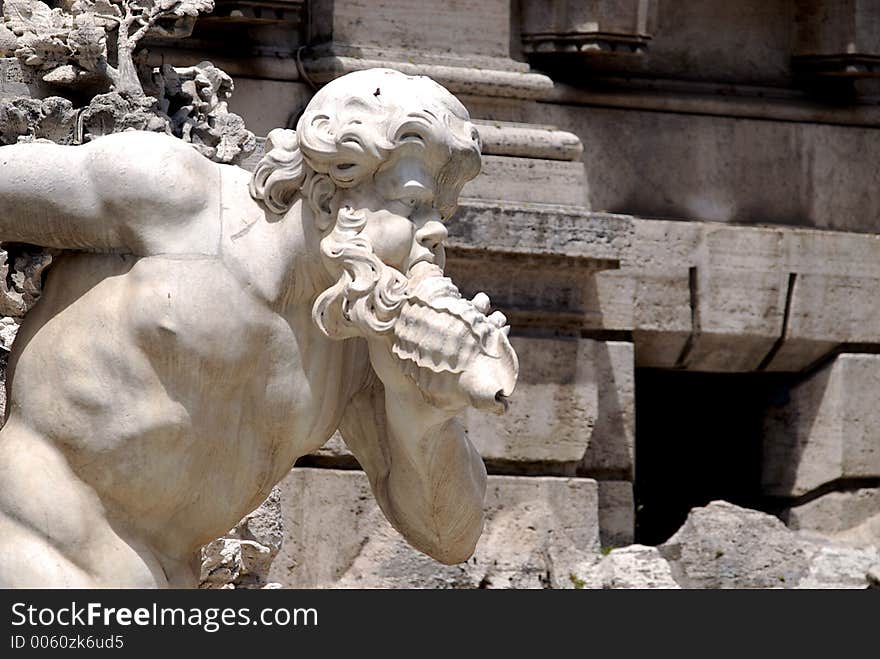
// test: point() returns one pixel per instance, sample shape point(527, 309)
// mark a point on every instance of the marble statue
point(203, 327)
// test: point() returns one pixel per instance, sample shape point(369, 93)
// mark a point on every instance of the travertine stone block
point(538, 529)
point(722, 292)
point(827, 429)
point(574, 402)
point(716, 168)
point(540, 230)
point(702, 296)
point(740, 296)
point(531, 180)
point(611, 449)
point(616, 513)
point(835, 512)
point(650, 293)
point(834, 297)
point(574, 405)
point(479, 27)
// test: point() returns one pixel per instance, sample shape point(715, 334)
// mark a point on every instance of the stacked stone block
point(822, 449)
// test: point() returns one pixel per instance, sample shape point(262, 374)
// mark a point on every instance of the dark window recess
point(698, 438)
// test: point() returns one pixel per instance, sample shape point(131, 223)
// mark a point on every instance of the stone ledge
point(457, 79)
point(537, 229)
point(538, 530)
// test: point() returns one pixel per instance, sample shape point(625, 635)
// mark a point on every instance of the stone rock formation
point(65, 48)
point(241, 558)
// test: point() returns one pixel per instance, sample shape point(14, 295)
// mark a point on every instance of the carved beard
point(367, 297)
point(442, 341)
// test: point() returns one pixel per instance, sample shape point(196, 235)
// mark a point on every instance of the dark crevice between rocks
point(699, 437)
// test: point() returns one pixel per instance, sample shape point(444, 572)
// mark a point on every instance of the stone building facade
point(679, 212)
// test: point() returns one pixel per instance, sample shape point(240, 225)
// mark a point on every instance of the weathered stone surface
point(27, 119)
point(727, 170)
point(617, 517)
point(839, 566)
point(574, 405)
point(538, 530)
point(826, 430)
point(611, 448)
point(539, 230)
point(725, 546)
point(722, 291)
point(241, 559)
point(701, 296)
point(633, 567)
point(529, 180)
point(21, 283)
point(574, 402)
point(528, 141)
point(740, 294)
point(249, 100)
point(481, 28)
point(836, 512)
point(834, 297)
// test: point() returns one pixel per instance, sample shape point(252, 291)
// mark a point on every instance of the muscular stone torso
point(175, 373)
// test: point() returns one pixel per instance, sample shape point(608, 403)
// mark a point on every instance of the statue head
point(380, 158)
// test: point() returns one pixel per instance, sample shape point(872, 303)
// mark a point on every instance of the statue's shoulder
point(151, 166)
point(133, 143)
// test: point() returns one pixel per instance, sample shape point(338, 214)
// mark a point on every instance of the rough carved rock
point(69, 42)
point(633, 567)
point(725, 546)
point(241, 558)
point(28, 119)
point(538, 531)
point(20, 280)
point(67, 47)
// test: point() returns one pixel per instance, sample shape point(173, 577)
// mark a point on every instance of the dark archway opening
point(698, 438)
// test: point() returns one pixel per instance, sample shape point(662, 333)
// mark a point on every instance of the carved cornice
point(528, 141)
point(845, 65)
point(540, 230)
point(457, 79)
point(591, 42)
point(586, 27)
point(259, 12)
point(836, 39)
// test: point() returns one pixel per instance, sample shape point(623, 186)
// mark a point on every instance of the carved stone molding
point(837, 38)
point(566, 27)
point(528, 141)
point(288, 12)
point(458, 79)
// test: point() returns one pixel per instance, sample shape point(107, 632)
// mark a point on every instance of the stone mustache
point(204, 327)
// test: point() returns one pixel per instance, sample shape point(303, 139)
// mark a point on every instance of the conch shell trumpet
point(445, 343)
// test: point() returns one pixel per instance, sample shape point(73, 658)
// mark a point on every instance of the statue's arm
point(135, 192)
point(425, 474)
